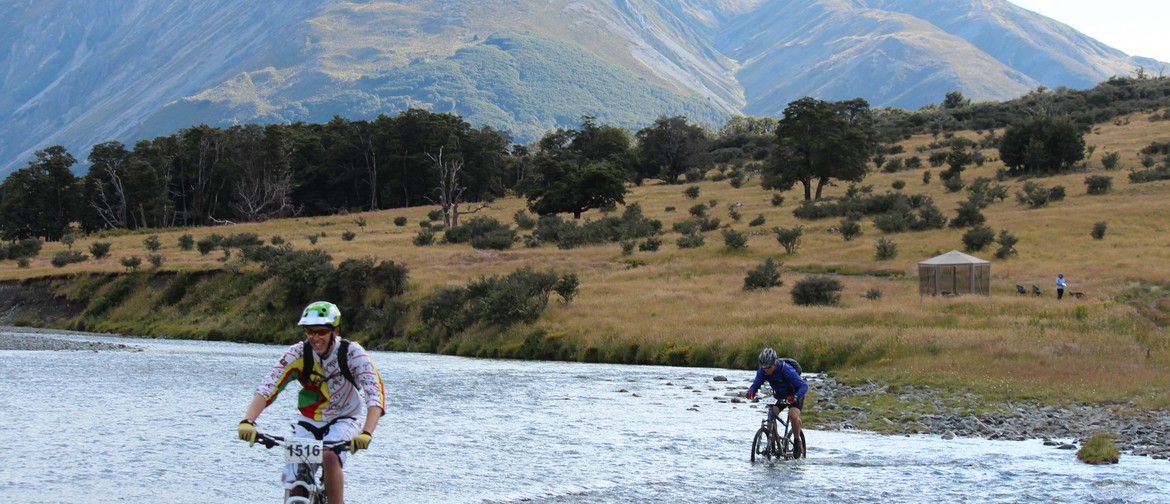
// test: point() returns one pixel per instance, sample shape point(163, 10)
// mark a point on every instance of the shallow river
point(159, 425)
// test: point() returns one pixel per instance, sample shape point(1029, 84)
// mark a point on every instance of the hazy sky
point(1136, 27)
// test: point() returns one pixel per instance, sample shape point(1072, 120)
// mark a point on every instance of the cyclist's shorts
point(340, 429)
point(799, 404)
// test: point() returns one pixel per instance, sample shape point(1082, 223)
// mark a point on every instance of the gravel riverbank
point(1139, 432)
point(30, 338)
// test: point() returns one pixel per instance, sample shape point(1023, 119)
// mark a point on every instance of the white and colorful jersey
point(327, 394)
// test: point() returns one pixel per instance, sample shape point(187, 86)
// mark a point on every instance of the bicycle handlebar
point(271, 441)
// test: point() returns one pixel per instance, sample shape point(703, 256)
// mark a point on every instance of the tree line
point(205, 175)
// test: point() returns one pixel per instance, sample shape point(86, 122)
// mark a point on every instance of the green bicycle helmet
point(321, 313)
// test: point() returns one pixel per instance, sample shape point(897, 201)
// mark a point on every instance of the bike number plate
point(303, 451)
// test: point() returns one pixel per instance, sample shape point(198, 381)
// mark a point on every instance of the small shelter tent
point(954, 273)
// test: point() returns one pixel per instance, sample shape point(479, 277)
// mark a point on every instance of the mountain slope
point(78, 72)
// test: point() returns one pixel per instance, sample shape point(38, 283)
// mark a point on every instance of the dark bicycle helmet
point(767, 357)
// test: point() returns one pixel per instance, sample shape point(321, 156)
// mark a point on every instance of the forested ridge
point(203, 175)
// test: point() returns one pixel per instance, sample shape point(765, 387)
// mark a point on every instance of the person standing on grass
point(1060, 284)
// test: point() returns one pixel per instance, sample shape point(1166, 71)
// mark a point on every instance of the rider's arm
point(793, 378)
point(757, 382)
point(373, 414)
point(255, 408)
point(369, 380)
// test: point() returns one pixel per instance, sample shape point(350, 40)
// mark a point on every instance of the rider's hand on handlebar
point(247, 431)
point(789, 400)
point(750, 395)
point(360, 442)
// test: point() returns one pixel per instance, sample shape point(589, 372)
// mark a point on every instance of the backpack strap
point(307, 362)
point(343, 361)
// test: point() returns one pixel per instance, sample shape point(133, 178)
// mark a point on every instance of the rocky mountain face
point(80, 72)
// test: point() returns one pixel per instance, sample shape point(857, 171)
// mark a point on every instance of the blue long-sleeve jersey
point(785, 381)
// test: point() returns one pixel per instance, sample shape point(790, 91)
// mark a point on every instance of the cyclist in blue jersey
point(786, 383)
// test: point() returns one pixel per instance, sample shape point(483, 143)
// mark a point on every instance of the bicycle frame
point(306, 478)
point(768, 443)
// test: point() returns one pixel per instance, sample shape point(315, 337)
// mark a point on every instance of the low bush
point(885, 249)
point(348, 235)
point(651, 244)
point(765, 276)
point(691, 192)
point(67, 257)
point(850, 229)
point(978, 238)
point(1098, 184)
point(789, 238)
point(1098, 232)
point(186, 242)
point(689, 241)
point(99, 250)
point(734, 240)
point(817, 290)
point(400, 221)
point(152, 243)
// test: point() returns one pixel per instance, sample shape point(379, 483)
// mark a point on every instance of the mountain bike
point(307, 454)
point(770, 444)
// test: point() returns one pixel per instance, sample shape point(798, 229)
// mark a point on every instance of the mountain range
point(81, 72)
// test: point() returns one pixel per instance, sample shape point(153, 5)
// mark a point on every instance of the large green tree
point(578, 170)
point(818, 141)
point(670, 147)
point(42, 199)
point(1042, 144)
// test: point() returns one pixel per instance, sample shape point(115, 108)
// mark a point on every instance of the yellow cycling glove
point(360, 442)
point(247, 431)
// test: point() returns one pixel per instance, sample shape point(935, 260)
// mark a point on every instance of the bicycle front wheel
point(762, 446)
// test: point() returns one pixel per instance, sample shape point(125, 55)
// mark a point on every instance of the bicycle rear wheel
point(762, 448)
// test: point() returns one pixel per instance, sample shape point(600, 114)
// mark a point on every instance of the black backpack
point(342, 362)
point(795, 365)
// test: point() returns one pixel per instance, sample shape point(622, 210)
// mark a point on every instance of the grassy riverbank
point(687, 306)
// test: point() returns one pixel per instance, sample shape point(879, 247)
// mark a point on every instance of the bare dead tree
point(371, 156)
point(450, 192)
point(111, 208)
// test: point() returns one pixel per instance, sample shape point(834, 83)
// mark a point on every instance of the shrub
point(156, 260)
point(898, 185)
point(789, 238)
point(276, 240)
point(913, 163)
point(69, 238)
point(777, 200)
point(885, 249)
point(953, 184)
point(212, 241)
point(1111, 160)
point(978, 238)
point(687, 241)
point(651, 244)
point(400, 221)
point(873, 294)
point(348, 235)
point(131, 263)
point(765, 276)
point(758, 221)
point(23, 249)
point(817, 291)
point(1098, 232)
point(1151, 175)
point(850, 229)
point(691, 192)
point(424, 237)
point(926, 177)
point(313, 239)
point(478, 227)
point(152, 244)
point(627, 248)
point(1007, 244)
point(523, 220)
point(22, 262)
point(99, 250)
point(734, 240)
point(968, 215)
point(435, 215)
point(567, 287)
point(186, 242)
point(1036, 195)
point(698, 210)
point(1098, 184)
point(67, 257)
point(734, 214)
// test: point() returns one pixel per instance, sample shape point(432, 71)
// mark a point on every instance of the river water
point(159, 425)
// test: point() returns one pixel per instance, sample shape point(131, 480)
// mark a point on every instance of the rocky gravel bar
point(1137, 432)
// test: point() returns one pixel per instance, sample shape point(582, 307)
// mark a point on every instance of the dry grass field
point(1109, 346)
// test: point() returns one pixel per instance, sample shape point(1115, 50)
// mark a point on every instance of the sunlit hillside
point(691, 303)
